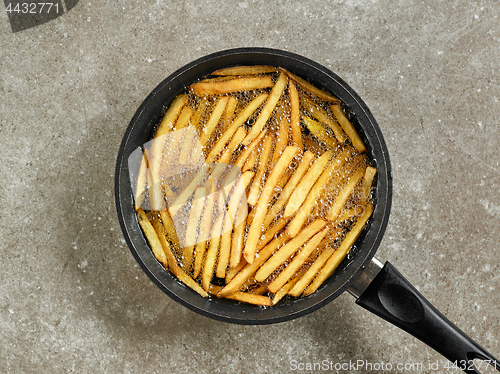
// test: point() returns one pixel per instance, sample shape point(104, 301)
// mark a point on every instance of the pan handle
point(390, 296)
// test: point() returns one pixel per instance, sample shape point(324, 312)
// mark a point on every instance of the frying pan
point(378, 287)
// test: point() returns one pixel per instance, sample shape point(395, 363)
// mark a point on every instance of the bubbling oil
point(316, 143)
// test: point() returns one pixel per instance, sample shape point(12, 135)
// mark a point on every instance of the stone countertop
point(73, 298)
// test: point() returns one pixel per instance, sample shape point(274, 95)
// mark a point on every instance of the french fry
point(260, 210)
point(171, 115)
point(300, 193)
point(192, 227)
point(249, 269)
point(231, 85)
point(295, 114)
point(237, 244)
point(251, 161)
point(286, 288)
point(337, 257)
point(191, 283)
point(349, 214)
point(152, 237)
point(165, 126)
point(184, 118)
point(254, 192)
point(245, 70)
point(250, 298)
point(232, 271)
point(314, 194)
point(368, 181)
point(160, 231)
point(244, 115)
point(271, 232)
point(205, 228)
point(288, 249)
point(184, 196)
point(320, 132)
point(230, 108)
point(348, 127)
point(243, 156)
point(141, 184)
point(297, 261)
point(198, 115)
point(344, 194)
point(304, 280)
point(267, 110)
point(235, 210)
point(232, 146)
point(212, 252)
point(289, 188)
point(213, 120)
point(311, 88)
point(281, 140)
point(322, 116)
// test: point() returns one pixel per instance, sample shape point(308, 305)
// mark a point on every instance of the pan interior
point(140, 129)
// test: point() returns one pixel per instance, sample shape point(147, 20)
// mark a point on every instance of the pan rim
point(227, 310)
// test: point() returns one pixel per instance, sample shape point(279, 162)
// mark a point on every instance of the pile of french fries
point(291, 204)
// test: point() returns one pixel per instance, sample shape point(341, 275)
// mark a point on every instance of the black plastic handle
point(393, 298)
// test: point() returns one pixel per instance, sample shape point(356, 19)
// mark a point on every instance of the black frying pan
point(378, 288)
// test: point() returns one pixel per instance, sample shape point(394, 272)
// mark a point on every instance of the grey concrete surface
point(72, 297)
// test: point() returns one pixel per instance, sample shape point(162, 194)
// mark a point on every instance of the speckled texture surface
point(72, 297)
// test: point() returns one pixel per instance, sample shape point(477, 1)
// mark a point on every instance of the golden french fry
point(348, 214)
point(230, 109)
point(228, 153)
point(255, 229)
point(171, 115)
point(297, 261)
point(368, 181)
point(205, 228)
point(231, 85)
point(344, 194)
point(243, 156)
point(267, 110)
point(287, 287)
point(249, 269)
point(311, 88)
point(314, 194)
point(300, 193)
point(320, 132)
point(250, 298)
point(191, 283)
point(160, 231)
point(281, 140)
point(238, 121)
point(322, 116)
point(337, 257)
point(304, 280)
point(192, 227)
point(198, 115)
point(289, 188)
point(184, 196)
point(213, 120)
point(348, 127)
point(211, 257)
point(165, 126)
point(252, 160)
point(152, 237)
point(232, 271)
point(236, 211)
point(271, 232)
point(254, 192)
point(289, 249)
point(245, 70)
point(237, 244)
point(295, 114)
point(184, 118)
point(141, 183)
